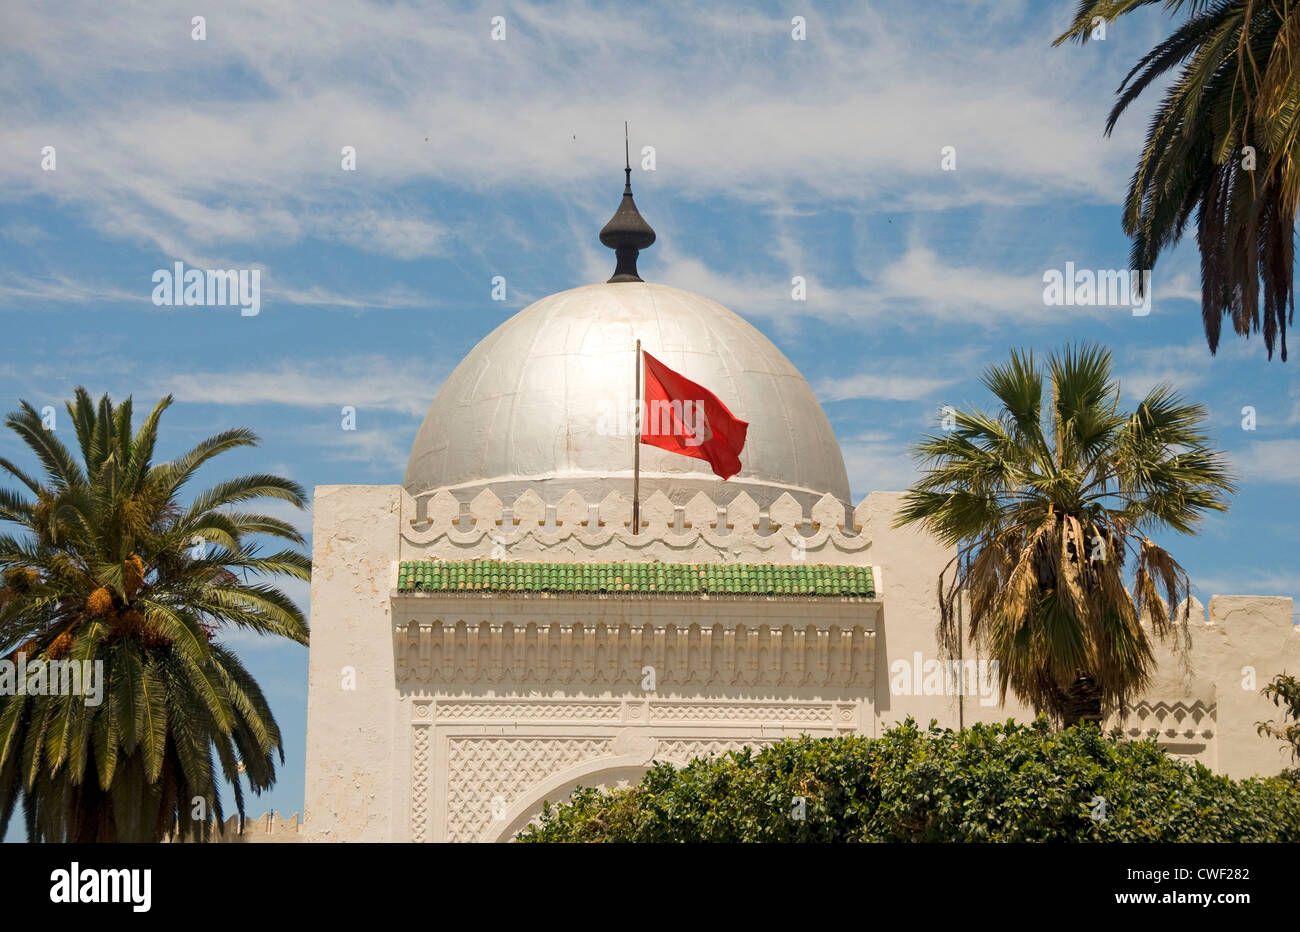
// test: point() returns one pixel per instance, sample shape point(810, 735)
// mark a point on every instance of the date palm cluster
point(114, 562)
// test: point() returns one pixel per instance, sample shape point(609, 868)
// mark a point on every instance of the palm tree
point(1238, 87)
point(113, 569)
point(1052, 501)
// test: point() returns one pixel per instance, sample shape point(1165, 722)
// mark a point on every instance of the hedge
point(988, 783)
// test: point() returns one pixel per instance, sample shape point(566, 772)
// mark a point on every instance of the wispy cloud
point(392, 297)
point(1184, 366)
point(402, 237)
point(877, 461)
point(1247, 582)
point(1269, 461)
point(24, 233)
point(920, 285)
point(880, 387)
point(368, 383)
point(378, 447)
point(63, 288)
point(152, 146)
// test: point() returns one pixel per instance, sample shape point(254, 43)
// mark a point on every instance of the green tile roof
point(804, 579)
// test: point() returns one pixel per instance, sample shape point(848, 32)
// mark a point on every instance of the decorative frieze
point(442, 525)
point(690, 712)
point(1172, 721)
point(649, 657)
point(783, 713)
point(520, 710)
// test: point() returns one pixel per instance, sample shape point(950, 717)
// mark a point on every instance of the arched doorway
point(610, 772)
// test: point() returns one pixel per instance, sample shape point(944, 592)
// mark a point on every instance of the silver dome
point(541, 402)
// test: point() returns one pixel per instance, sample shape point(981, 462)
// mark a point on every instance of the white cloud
point(1248, 582)
point(158, 144)
point(395, 296)
point(378, 447)
point(397, 236)
point(879, 386)
point(374, 383)
point(1180, 285)
point(19, 288)
point(918, 285)
point(24, 233)
point(1293, 417)
point(877, 462)
point(1184, 366)
point(1269, 461)
point(64, 289)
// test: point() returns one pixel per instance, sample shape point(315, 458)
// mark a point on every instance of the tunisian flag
point(682, 417)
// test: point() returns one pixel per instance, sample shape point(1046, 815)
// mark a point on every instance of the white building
point(449, 698)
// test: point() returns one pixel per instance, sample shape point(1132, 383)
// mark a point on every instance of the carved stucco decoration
point(610, 655)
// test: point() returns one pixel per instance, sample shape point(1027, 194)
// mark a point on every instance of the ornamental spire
point(627, 233)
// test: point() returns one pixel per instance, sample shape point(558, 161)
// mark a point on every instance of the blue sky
point(478, 158)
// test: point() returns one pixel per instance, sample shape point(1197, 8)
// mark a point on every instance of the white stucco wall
point(469, 710)
point(349, 758)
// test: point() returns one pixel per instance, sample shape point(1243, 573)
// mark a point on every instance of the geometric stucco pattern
point(794, 712)
point(420, 782)
point(681, 750)
point(421, 739)
point(1172, 720)
point(483, 768)
point(487, 773)
point(525, 710)
point(821, 713)
point(491, 772)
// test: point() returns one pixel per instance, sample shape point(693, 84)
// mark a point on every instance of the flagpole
point(636, 451)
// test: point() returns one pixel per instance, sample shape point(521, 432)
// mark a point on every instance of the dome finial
point(627, 233)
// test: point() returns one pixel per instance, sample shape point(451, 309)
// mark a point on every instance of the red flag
point(682, 417)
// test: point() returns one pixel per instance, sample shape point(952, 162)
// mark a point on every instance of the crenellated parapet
point(268, 827)
point(442, 526)
point(1204, 699)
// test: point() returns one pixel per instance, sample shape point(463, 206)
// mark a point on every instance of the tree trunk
point(1082, 702)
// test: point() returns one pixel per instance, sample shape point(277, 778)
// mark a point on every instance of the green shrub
point(999, 782)
point(1284, 691)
